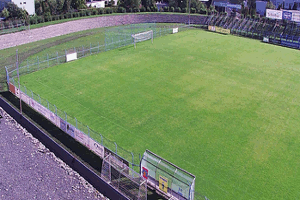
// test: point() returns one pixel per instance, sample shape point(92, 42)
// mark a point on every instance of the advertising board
point(273, 14)
point(71, 56)
point(222, 30)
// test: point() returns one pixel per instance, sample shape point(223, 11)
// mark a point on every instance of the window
point(24, 2)
point(21, 3)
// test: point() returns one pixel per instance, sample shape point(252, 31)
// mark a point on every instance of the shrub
point(166, 9)
point(69, 15)
point(172, 9)
point(108, 10)
point(76, 14)
point(130, 10)
point(114, 9)
point(100, 11)
point(47, 18)
point(82, 13)
point(143, 9)
point(87, 12)
point(136, 10)
point(153, 9)
point(40, 19)
point(177, 9)
point(203, 11)
point(94, 12)
point(121, 10)
point(183, 10)
point(33, 20)
point(61, 16)
point(193, 10)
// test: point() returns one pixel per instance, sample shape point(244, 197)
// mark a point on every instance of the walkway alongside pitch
point(30, 171)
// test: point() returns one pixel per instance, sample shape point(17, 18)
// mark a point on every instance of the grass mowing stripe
point(221, 107)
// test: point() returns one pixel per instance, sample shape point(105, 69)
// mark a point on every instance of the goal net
point(139, 37)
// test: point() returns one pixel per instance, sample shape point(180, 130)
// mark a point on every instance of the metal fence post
point(132, 156)
point(89, 136)
point(38, 63)
point(116, 148)
point(39, 99)
point(101, 139)
point(31, 94)
point(48, 59)
point(66, 117)
point(25, 89)
point(55, 110)
point(7, 75)
point(57, 57)
point(27, 65)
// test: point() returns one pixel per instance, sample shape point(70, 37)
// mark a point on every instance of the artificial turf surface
point(222, 107)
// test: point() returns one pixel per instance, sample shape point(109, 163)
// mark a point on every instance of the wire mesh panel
point(123, 178)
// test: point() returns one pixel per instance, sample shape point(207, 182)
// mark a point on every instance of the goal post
point(139, 37)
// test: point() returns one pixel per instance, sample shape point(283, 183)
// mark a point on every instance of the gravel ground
point(28, 170)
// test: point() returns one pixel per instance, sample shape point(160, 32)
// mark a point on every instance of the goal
point(139, 37)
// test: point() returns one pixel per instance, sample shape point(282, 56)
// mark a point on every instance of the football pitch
point(222, 107)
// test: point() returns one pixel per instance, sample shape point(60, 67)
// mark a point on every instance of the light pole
point(189, 12)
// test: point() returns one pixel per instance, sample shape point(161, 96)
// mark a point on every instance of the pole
point(189, 12)
point(17, 63)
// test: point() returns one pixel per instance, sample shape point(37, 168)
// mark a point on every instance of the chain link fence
point(13, 26)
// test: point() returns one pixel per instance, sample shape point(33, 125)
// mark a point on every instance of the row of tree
point(57, 7)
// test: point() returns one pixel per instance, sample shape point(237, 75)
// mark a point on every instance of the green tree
point(279, 7)
point(60, 6)
point(78, 4)
point(67, 5)
point(252, 7)
point(183, 4)
point(45, 7)
point(173, 3)
point(5, 13)
point(38, 7)
point(148, 3)
point(136, 3)
point(15, 12)
point(270, 5)
point(295, 6)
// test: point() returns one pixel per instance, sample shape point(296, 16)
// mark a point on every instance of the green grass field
point(222, 107)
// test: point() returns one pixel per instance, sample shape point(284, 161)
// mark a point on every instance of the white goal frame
point(139, 37)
